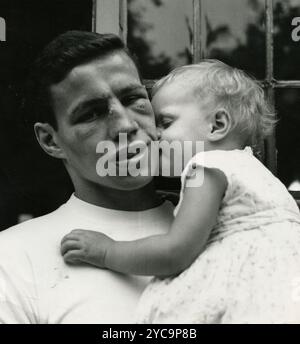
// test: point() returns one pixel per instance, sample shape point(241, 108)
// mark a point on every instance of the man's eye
point(132, 99)
point(92, 115)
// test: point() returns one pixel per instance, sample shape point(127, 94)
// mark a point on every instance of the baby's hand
point(84, 246)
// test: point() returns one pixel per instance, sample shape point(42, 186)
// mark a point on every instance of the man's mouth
point(126, 156)
point(133, 152)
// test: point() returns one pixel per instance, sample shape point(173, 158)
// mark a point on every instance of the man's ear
point(47, 138)
point(221, 123)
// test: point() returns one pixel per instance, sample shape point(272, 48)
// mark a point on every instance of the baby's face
point(180, 117)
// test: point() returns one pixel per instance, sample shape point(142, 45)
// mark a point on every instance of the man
point(85, 89)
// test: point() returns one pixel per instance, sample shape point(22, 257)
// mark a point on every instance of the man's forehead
point(100, 78)
point(116, 68)
point(112, 64)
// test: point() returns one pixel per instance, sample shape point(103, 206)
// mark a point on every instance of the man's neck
point(127, 200)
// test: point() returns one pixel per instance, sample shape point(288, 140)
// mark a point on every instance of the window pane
point(235, 31)
point(286, 45)
point(30, 182)
point(159, 33)
point(288, 137)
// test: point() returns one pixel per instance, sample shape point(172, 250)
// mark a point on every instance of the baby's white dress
point(250, 269)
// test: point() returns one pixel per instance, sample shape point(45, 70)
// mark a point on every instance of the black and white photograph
point(150, 163)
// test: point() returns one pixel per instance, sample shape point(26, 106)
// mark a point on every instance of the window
point(255, 35)
point(2, 29)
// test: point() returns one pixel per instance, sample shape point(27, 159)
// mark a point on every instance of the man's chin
point(129, 182)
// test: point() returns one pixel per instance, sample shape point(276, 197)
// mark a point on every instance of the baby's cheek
point(169, 134)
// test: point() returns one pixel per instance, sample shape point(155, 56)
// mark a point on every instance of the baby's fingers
point(73, 235)
point(69, 245)
point(73, 257)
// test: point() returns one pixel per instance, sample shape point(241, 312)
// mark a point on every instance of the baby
point(232, 254)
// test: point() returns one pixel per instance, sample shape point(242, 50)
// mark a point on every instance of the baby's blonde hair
point(231, 90)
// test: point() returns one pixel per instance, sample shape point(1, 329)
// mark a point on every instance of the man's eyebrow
point(103, 100)
point(88, 103)
point(131, 88)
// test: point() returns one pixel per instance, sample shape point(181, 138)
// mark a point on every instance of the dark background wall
point(30, 182)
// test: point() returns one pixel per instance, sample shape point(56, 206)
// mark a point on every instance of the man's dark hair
point(58, 58)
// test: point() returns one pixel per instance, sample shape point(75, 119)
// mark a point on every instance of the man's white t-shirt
point(36, 286)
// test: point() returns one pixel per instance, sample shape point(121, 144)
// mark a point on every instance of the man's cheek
point(83, 151)
point(85, 132)
point(147, 121)
point(148, 125)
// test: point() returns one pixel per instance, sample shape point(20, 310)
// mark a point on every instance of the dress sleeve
point(194, 171)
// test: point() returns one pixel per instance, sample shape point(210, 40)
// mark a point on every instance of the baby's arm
point(159, 255)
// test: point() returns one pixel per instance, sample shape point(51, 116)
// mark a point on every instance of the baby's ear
point(221, 123)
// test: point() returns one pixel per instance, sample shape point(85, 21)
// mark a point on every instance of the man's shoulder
point(24, 231)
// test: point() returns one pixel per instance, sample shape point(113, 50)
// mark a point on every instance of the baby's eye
point(164, 122)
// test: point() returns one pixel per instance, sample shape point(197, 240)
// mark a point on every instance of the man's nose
point(121, 121)
point(158, 133)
